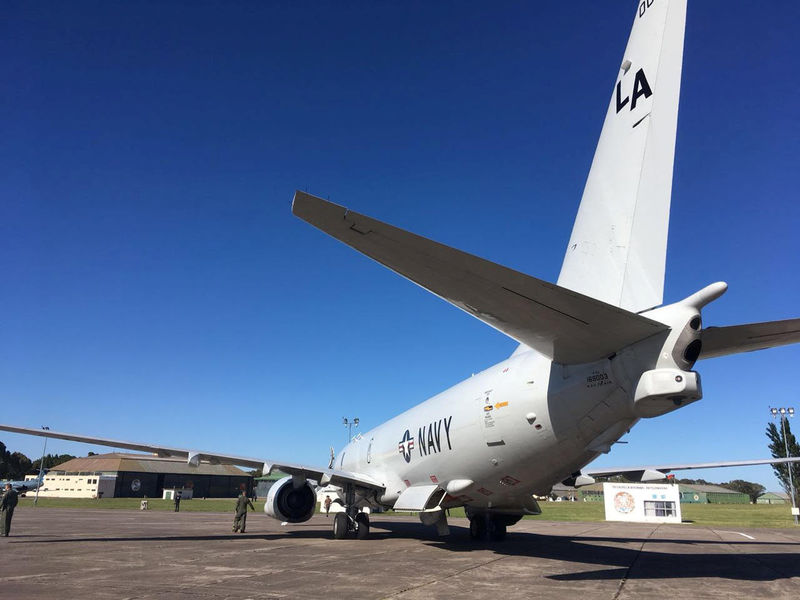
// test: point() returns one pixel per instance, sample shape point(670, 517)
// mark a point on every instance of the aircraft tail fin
point(617, 251)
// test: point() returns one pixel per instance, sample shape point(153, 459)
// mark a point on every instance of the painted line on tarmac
point(749, 537)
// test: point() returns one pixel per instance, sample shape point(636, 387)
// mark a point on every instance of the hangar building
point(773, 498)
point(689, 494)
point(126, 475)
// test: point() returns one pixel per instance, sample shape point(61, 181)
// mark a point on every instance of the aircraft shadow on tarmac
point(619, 563)
point(628, 563)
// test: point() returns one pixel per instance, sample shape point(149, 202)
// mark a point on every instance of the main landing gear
point(351, 521)
point(489, 526)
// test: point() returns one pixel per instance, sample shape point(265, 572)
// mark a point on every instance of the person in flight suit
point(240, 520)
point(7, 505)
point(177, 501)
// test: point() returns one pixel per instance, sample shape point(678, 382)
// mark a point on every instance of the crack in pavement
point(440, 579)
point(624, 579)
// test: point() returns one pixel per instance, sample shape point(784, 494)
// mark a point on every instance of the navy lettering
point(447, 431)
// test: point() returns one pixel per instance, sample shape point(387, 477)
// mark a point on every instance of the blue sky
point(157, 288)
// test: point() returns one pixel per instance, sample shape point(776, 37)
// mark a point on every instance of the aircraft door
point(488, 416)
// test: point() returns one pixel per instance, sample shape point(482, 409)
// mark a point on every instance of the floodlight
point(774, 411)
point(791, 412)
point(782, 410)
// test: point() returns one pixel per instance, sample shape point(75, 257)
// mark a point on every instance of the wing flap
point(720, 341)
point(419, 498)
point(194, 457)
point(564, 325)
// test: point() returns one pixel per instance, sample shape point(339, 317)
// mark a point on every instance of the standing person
point(177, 500)
point(240, 520)
point(7, 509)
point(327, 506)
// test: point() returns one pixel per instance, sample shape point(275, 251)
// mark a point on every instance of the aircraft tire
point(497, 531)
point(477, 527)
point(362, 526)
point(339, 526)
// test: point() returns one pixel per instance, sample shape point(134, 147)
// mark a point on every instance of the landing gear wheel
point(362, 526)
point(477, 527)
point(497, 531)
point(339, 526)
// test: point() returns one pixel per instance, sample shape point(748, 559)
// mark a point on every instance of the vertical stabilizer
point(617, 251)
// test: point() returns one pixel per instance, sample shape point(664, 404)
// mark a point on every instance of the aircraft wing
point(564, 325)
point(194, 457)
point(656, 472)
point(719, 341)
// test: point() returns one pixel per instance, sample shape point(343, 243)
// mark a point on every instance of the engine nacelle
point(286, 502)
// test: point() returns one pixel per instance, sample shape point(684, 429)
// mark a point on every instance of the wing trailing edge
point(566, 326)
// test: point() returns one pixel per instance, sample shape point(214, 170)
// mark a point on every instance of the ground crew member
point(177, 501)
point(240, 520)
point(327, 505)
point(7, 505)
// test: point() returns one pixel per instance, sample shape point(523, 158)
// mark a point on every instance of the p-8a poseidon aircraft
point(597, 351)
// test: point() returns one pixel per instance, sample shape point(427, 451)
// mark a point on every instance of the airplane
point(598, 350)
point(22, 486)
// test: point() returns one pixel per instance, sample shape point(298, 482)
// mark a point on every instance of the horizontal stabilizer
point(193, 457)
point(564, 325)
point(719, 341)
point(648, 472)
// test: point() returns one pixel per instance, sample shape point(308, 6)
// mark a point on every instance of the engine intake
point(286, 502)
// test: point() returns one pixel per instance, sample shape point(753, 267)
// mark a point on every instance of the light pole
point(41, 466)
point(783, 412)
point(350, 424)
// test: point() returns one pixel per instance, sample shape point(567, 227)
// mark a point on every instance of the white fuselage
point(523, 424)
point(513, 430)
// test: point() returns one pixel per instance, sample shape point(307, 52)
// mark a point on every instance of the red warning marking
point(434, 479)
point(407, 482)
point(508, 480)
point(484, 491)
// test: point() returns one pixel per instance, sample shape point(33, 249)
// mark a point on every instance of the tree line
point(15, 465)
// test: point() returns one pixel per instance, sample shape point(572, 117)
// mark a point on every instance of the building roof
point(708, 488)
point(274, 476)
point(115, 462)
point(781, 495)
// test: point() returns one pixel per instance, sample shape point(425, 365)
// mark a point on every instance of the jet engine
point(287, 501)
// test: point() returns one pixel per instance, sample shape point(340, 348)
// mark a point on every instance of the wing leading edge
point(194, 457)
point(564, 325)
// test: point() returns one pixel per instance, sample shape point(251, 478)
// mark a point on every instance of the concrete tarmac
point(70, 553)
